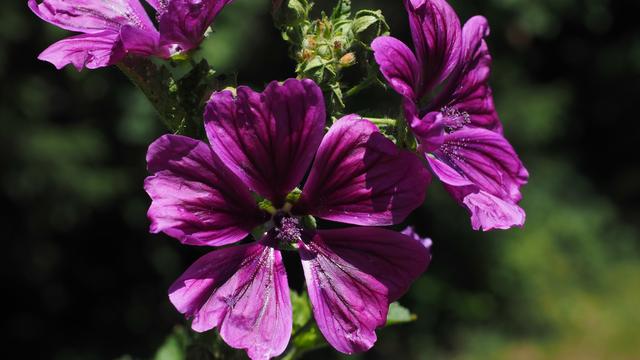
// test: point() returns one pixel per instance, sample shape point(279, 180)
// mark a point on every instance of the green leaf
point(399, 315)
point(369, 24)
point(315, 63)
point(342, 10)
point(363, 22)
point(306, 335)
point(156, 83)
point(301, 309)
point(300, 8)
point(174, 346)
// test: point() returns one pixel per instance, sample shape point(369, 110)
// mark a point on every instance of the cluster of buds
point(325, 46)
point(325, 50)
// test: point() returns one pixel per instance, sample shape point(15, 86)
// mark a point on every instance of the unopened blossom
point(449, 106)
point(110, 29)
point(261, 146)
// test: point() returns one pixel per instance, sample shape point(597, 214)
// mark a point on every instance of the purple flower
point(112, 29)
point(262, 145)
point(458, 130)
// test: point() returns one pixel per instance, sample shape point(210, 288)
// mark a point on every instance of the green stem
point(292, 354)
point(149, 78)
point(132, 69)
point(356, 89)
point(383, 121)
point(403, 132)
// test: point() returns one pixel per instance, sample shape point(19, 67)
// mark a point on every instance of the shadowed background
point(85, 280)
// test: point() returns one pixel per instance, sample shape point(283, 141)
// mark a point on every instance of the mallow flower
point(261, 146)
point(110, 29)
point(449, 106)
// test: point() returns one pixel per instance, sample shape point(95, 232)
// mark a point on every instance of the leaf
point(299, 8)
point(301, 309)
point(399, 315)
point(306, 335)
point(154, 80)
point(316, 62)
point(342, 10)
point(361, 23)
point(174, 346)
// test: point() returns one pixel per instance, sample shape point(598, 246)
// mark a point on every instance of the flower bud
point(306, 54)
point(348, 59)
point(309, 42)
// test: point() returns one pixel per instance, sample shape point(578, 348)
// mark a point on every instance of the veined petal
point(469, 91)
point(268, 139)
point(196, 199)
point(430, 130)
point(85, 50)
point(446, 173)
point(92, 16)
point(436, 34)
point(352, 276)
point(482, 171)
point(398, 64)
point(184, 22)
point(360, 177)
point(243, 291)
point(141, 42)
point(489, 212)
point(486, 159)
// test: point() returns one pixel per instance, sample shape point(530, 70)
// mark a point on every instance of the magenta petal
point(243, 291)
point(436, 34)
point(430, 130)
point(196, 199)
point(85, 50)
point(92, 16)
point(470, 91)
point(184, 22)
point(482, 172)
point(446, 173)
point(486, 159)
point(141, 42)
point(490, 212)
point(352, 276)
point(398, 65)
point(268, 139)
point(360, 177)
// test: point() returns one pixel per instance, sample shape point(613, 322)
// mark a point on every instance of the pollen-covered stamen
point(454, 119)
point(288, 230)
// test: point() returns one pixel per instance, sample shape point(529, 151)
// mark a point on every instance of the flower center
point(454, 119)
point(288, 229)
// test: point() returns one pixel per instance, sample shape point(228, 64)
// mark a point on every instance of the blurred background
point(85, 280)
